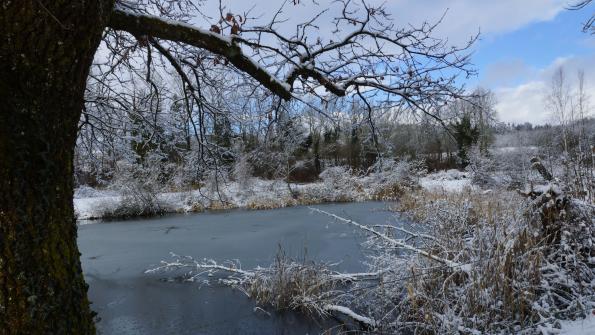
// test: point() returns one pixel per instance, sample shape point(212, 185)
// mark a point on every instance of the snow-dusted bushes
point(506, 168)
point(139, 191)
point(509, 167)
point(482, 168)
point(338, 177)
point(488, 234)
point(386, 180)
point(525, 263)
point(390, 179)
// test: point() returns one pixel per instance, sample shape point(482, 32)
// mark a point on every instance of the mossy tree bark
point(46, 49)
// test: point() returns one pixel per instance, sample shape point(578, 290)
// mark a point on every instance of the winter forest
point(297, 167)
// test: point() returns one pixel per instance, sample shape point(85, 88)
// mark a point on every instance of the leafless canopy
point(370, 53)
point(239, 63)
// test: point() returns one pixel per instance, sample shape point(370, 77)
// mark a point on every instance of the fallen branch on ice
point(397, 243)
point(368, 322)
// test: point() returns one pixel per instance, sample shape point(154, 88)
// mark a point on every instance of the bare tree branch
point(141, 24)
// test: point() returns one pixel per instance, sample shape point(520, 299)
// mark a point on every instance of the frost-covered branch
point(369, 322)
point(153, 26)
point(285, 284)
point(211, 266)
point(396, 243)
point(372, 55)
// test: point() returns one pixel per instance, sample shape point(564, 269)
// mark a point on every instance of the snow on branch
point(210, 266)
point(397, 243)
point(368, 53)
point(153, 26)
point(285, 284)
point(207, 265)
point(369, 322)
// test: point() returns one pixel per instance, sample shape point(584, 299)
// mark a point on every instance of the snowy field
point(449, 180)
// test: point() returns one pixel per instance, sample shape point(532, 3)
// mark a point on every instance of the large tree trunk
point(46, 49)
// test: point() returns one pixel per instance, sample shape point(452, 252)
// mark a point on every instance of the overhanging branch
point(153, 26)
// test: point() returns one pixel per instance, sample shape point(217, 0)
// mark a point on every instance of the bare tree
point(558, 101)
point(569, 103)
point(46, 53)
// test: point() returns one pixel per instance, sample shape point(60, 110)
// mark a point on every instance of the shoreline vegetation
point(336, 184)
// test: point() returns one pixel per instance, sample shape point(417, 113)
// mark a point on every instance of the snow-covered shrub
point(289, 285)
point(139, 188)
point(337, 176)
point(488, 235)
point(338, 185)
point(390, 179)
point(482, 169)
point(512, 168)
point(524, 263)
point(242, 172)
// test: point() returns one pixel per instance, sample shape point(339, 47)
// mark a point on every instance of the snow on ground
point(449, 181)
point(256, 193)
point(579, 327)
point(91, 203)
point(515, 149)
point(91, 208)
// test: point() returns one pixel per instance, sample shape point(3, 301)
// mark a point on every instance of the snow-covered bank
point(260, 194)
point(336, 185)
point(449, 181)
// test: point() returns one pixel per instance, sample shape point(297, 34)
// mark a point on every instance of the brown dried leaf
point(215, 29)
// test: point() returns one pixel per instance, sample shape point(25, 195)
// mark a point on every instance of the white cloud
point(506, 73)
point(525, 102)
point(463, 19)
point(498, 16)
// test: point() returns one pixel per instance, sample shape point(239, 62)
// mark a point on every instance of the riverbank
point(261, 194)
point(335, 186)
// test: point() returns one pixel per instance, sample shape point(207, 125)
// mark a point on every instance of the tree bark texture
point(46, 49)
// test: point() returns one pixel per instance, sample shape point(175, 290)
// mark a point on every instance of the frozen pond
point(115, 255)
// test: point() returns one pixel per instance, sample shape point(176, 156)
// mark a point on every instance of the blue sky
point(534, 46)
point(518, 64)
